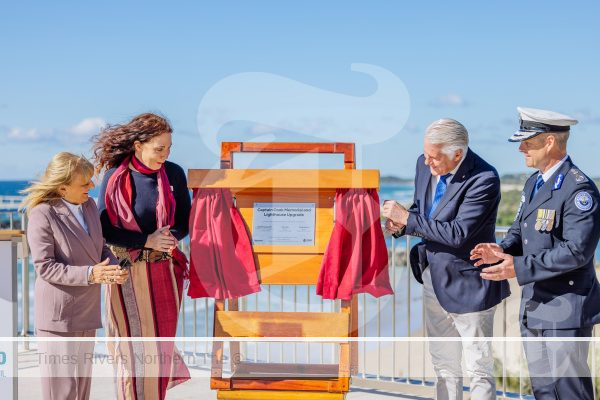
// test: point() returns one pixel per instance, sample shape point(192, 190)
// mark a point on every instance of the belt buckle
point(156, 256)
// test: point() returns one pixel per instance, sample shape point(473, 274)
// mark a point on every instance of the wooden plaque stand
point(286, 265)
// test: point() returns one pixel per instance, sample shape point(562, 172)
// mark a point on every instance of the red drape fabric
point(356, 259)
point(221, 259)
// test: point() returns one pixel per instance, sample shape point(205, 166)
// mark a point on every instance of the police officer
point(550, 250)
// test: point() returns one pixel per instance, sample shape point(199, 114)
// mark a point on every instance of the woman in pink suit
point(71, 261)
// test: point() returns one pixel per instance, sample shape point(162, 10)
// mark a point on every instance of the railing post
point(195, 306)
point(593, 372)
point(408, 314)
point(25, 305)
point(504, 332)
point(24, 282)
point(394, 309)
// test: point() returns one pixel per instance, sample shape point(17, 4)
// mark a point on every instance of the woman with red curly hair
point(144, 208)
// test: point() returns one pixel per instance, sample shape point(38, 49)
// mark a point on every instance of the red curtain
point(356, 259)
point(221, 259)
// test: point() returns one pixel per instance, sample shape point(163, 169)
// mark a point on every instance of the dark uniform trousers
point(558, 369)
point(553, 240)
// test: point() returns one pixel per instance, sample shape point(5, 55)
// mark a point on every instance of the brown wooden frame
point(332, 381)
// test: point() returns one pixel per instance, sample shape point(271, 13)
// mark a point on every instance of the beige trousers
point(446, 356)
point(66, 366)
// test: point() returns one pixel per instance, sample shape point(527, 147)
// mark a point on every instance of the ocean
point(307, 298)
point(11, 188)
point(401, 193)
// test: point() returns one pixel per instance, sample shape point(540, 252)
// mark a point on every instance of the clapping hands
point(492, 253)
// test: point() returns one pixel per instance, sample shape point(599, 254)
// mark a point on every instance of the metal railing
point(10, 202)
point(11, 219)
point(377, 370)
point(402, 366)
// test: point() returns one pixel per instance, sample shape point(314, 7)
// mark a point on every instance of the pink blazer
point(62, 251)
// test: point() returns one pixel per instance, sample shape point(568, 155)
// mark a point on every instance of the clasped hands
point(162, 240)
point(396, 216)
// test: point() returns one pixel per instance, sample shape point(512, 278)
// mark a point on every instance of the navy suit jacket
point(465, 217)
point(555, 264)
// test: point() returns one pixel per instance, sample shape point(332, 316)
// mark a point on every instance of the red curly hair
point(115, 142)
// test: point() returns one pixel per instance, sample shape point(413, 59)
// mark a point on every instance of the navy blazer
point(554, 258)
point(465, 217)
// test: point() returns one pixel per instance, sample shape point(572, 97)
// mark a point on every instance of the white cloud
point(88, 127)
point(449, 100)
point(78, 133)
point(587, 117)
point(24, 135)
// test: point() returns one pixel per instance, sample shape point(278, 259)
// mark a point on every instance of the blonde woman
point(71, 261)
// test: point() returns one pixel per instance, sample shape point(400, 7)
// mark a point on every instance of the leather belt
point(153, 256)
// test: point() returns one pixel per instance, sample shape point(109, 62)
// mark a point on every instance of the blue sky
point(68, 68)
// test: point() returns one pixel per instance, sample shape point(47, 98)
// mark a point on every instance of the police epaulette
point(578, 175)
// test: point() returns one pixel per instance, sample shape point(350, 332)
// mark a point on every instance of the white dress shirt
point(548, 174)
point(77, 211)
point(436, 178)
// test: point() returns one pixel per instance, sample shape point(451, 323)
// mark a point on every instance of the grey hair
point(561, 139)
point(449, 133)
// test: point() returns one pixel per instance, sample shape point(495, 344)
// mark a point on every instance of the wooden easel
point(286, 265)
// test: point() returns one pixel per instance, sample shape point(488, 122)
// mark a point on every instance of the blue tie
point(440, 189)
point(538, 184)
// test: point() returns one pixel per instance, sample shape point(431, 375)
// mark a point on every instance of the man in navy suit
point(550, 250)
point(455, 205)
